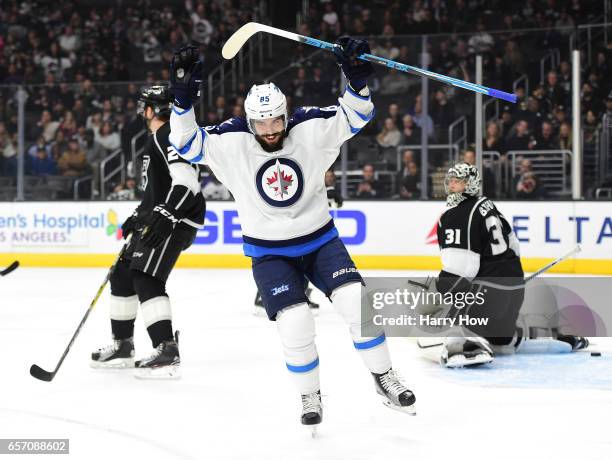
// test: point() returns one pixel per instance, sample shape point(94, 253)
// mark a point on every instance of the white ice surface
point(235, 399)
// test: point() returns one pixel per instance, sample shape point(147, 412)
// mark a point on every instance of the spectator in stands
point(493, 139)
point(559, 116)
point(526, 183)
point(423, 122)
point(334, 195)
point(409, 187)
point(73, 161)
point(565, 136)
point(42, 164)
point(124, 192)
point(590, 128)
point(369, 187)
point(553, 90)
point(411, 134)
point(442, 110)
point(40, 143)
point(389, 136)
point(520, 139)
point(393, 112)
point(394, 82)
point(46, 126)
point(331, 23)
point(8, 151)
point(546, 139)
point(59, 145)
point(407, 159)
point(94, 154)
point(68, 124)
point(108, 138)
point(299, 83)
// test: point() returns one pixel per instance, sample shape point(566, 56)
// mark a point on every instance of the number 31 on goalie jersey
point(476, 226)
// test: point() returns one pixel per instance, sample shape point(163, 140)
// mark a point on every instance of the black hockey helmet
point(158, 97)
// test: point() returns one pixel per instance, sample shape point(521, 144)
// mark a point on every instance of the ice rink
point(235, 399)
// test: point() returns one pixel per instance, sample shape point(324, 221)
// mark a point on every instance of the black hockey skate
point(117, 355)
point(312, 411)
point(394, 393)
point(576, 342)
point(162, 364)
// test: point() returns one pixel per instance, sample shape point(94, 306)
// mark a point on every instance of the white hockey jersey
point(280, 196)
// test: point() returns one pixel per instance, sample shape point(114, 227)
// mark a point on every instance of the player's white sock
point(297, 332)
point(372, 346)
point(156, 309)
point(123, 308)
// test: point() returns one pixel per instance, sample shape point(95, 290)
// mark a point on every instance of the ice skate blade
point(158, 373)
point(410, 410)
point(119, 363)
point(461, 361)
point(314, 432)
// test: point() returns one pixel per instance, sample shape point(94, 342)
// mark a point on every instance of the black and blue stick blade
point(10, 268)
point(41, 374)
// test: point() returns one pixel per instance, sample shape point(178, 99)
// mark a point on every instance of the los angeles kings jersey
point(281, 196)
point(168, 179)
point(476, 241)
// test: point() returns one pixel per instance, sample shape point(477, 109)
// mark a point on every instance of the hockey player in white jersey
point(274, 167)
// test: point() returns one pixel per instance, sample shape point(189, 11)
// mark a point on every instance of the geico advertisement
point(545, 229)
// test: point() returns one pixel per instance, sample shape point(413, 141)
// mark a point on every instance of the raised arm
point(186, 77)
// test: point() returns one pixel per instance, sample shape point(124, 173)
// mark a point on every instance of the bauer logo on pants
point(280, 182)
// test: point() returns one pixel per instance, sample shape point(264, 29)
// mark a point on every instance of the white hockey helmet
point(467, 173)
point(265, 101)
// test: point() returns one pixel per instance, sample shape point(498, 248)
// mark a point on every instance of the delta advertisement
point(382, 235)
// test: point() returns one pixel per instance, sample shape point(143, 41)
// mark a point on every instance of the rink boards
point(379, 234)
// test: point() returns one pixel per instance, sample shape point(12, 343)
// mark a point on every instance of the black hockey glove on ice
point(130, 225)
point(186, 76)
point(355, 70)
point(158, 226)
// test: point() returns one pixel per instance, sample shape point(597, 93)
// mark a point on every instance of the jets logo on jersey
point(280, 182)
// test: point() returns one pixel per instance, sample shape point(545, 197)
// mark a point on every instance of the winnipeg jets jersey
point(281, 196)
point(476, 241)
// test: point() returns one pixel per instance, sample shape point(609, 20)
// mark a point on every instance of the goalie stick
point(46, 376)
point(545, 268)
point(240, 37)
point(9, 269)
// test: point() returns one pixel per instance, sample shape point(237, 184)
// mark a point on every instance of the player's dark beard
point(271, 148)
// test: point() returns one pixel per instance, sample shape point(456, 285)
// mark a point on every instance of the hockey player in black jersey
point(162, 226)
point(480, 254)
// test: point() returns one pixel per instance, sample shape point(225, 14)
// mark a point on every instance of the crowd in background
point(69, 54)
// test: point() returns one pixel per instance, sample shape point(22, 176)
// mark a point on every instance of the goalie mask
point(265, 102)
point(466, 173)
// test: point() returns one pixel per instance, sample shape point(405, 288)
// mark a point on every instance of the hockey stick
point(240, 37)
point(9, 269)
point(545, 268)
point(46, 376)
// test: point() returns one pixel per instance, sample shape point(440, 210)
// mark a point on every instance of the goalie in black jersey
point(480, 254)
point(162, 226)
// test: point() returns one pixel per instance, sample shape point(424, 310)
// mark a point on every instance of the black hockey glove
point(355, 70)
point(158, 226)
point(130, 225)
point(186, 76)
point(334, 198)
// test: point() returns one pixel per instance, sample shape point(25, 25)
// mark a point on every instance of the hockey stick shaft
point(237, 40)
point(547, 267)
point(41, 374)
point(10, 268)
